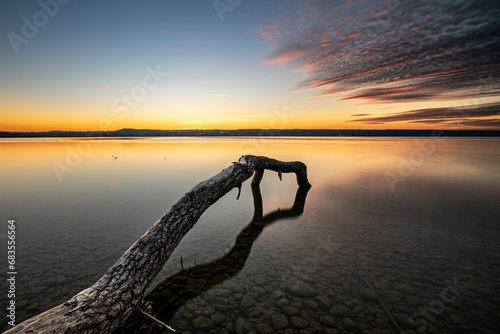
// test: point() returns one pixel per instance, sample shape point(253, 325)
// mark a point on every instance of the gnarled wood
point(261, 163)
point(105, 305)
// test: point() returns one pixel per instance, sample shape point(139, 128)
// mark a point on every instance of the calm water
point(406, 229)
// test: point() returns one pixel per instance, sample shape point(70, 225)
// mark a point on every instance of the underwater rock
point(246, 303)
point(340, 311)
point(279, 321)
point(298, 322)
point(368, 294)
point(234, 287)
point(203, 323)
point(290, 310)
point(327, 321)
point(324, 302)
point(350, 324)
point(260, 281)
point(312, 304)
point(217, 318)
point(264, 329)
point(242, 326)
point(302, 289)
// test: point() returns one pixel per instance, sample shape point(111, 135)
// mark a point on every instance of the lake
point(395, 235)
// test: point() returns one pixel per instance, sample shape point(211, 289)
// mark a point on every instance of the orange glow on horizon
point(313, 125)
point(299, 114)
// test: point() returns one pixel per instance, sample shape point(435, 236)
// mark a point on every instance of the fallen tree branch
point(105, 305)
point(160, 323)
point(381, 302)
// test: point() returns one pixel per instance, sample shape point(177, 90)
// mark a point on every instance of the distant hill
point(256, 133)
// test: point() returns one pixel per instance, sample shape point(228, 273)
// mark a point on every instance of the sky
point(241, 64)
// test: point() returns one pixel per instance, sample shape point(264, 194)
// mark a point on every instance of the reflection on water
point(413, 222)
point(187, 284)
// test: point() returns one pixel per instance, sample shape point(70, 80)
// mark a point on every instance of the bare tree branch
point(105, 305)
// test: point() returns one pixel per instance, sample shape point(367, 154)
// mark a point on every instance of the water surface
point(409, 225)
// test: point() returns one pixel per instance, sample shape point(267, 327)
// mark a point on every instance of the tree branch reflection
point(187, 284)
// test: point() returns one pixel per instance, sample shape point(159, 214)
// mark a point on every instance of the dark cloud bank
point(400, 51)
point(475, 115)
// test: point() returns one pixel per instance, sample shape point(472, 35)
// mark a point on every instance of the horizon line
point(246, 129)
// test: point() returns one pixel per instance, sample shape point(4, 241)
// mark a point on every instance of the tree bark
point(105, 305)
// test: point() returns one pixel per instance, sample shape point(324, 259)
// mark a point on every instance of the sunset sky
point(234, 64)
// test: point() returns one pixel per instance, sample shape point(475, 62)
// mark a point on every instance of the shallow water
point(410, 225)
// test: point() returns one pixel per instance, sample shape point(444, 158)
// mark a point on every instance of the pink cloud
point(275, 28)
point(285, 57)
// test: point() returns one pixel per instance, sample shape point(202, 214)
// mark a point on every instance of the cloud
point(284, 56)
point(393, 50)
point(274, 28)
point(476, 115)
point(105, 85)
point(487, 123)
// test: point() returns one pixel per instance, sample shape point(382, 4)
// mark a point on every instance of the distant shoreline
point(253, 133)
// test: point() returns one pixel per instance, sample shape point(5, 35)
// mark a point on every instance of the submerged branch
point(160, 323)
